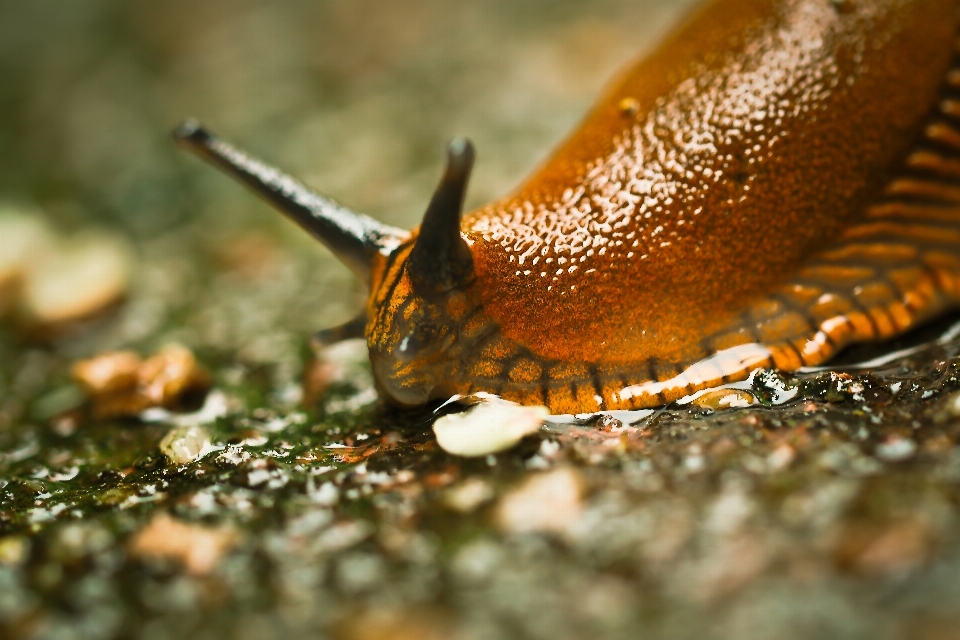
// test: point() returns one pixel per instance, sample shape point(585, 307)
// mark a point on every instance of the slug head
point(417, 306)
point(416, 311)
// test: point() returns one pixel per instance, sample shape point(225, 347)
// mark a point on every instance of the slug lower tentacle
point(780, 179)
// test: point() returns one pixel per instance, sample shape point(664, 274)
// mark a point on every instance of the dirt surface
point(288, 502)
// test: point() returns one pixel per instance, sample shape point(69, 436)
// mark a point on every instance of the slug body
point(779, 179)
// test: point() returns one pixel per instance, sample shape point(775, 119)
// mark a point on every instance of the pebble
point(694, 462)
point(170, 374)
point(548, 503)
point(317, 377)
point(729, 512)
point(891, 550)
point(896, 449)
point(899, 550)
point(382, 623)
point(77, 280)
point(720, 399)
point(487, 428)
point(342, 536)
point(25, 237)
point(184, 445)
point(468, 495)
point(477, 560)
point(357, 572)
point(781, 457)
point(326, 494)
point(13, 550)
point(77, 540)
point(198, 548)
point(950, 408)
point(233, 455)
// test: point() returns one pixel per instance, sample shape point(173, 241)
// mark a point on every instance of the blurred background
point(355, 96)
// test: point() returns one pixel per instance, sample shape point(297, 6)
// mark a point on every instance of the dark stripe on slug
point(942, 133)
point(926, 233)
point(843, 336)
point(953, 78)
point(924, 190)
point(390, 290)
point(544, 384)
point(574, 388)
point(402, 309)
point(931, 272)
point(706, 342)
point(907, 212)
point(901, 297)
point(876, 264)
point(916, 308)
point(771, 362)
point(483, 341)
point(544, 390)
point(392, 272)
point(508, 363)
point(816, 325)
point(925, 160)
point(595, 380)
point(652, 375)
point(797, 352)
point(470, 315)
point(492, 332)
point(395, 254)
point(885, 314)
point(862, 310)
point(870, 252)
point(384, 309)
point(752, 328)
point(797, 307)
point(829, 340)
point(884, 276)
point(484, 331)
point(950, 108)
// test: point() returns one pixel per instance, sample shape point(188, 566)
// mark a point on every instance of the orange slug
point(778, 180)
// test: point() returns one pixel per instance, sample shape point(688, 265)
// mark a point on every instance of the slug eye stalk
point(441, 259)
point(353, 237)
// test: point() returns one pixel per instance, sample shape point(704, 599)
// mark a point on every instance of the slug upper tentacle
point(441, 259)
point(354, 238)
point(780, 179)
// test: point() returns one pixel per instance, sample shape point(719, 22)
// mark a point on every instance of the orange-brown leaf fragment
point(120, 384)
point(108, 373)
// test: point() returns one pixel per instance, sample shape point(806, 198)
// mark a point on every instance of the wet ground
point(825, 508)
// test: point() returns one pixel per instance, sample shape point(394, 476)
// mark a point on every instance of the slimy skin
point(779, 179)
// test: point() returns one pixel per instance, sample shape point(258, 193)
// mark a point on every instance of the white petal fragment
point(488, 428)
point(183, 445)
